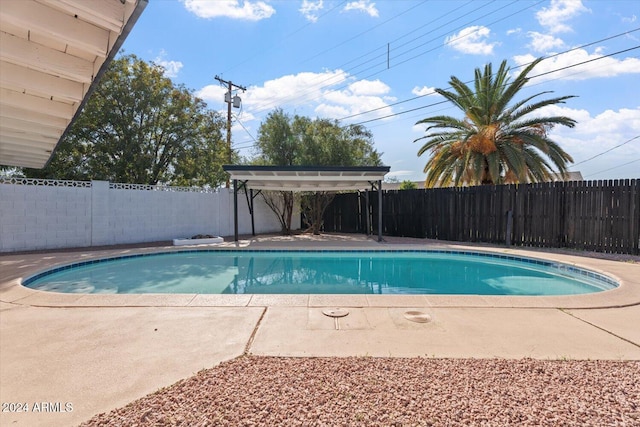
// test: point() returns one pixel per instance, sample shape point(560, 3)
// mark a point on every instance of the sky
point(377, 62)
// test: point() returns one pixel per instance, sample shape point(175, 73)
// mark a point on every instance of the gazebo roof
point(307, 178)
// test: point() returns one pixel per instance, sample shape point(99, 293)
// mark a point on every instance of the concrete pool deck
point(99, 352)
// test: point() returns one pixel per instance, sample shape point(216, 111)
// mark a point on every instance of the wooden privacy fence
point(601, 216)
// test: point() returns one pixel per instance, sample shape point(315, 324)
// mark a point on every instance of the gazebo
point(304, 178)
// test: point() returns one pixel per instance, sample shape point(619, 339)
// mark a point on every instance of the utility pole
point(236, 103)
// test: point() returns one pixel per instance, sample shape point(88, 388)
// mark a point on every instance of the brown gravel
point(365, 391)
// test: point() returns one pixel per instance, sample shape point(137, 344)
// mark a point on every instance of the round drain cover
point(417, 316)
point(335, 312)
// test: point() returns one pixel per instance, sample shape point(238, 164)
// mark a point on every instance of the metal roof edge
point(245, 168)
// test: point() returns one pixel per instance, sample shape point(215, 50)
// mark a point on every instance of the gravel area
point(366, 391)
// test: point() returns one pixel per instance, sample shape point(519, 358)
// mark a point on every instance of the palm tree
point(497, 141)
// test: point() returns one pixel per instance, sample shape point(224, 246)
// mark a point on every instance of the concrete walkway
point(99, 352)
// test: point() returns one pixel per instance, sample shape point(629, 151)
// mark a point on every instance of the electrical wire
point(294, 32)
point(247, 130)
point(471, 81)
point(314, 89)
point(362, 33)
point(539, 75)
point(615, 167)
point(607, 151)
point(626, 33)
point(532, 77)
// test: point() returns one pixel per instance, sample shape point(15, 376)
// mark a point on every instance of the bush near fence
point(602, 216)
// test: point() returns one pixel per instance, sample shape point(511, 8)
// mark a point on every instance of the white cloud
point(599, 66)
point(292, 90)
point(424, 91)
point(472, 40)
point(365, 97)
point(595, 134)
point(331, 94)
point(235, 9)
point(514, 31)
point(614, 125)
point(629, 20)
point(171, 68)
point(213, 95)
point(558, 13)
point(332, 111)
point(419, 129)
point(544, 42)
point(369, 87)
point(365, 6)
point(310, 9)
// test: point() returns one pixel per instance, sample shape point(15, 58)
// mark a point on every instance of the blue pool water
point(321, 272)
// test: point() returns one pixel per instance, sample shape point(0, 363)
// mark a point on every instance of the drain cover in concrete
point(417, 316)
point(335, 312)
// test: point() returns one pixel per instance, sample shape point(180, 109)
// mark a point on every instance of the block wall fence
point(46, 214)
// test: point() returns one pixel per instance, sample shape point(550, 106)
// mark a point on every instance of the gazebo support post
point(367, 211)
point(249, 196)
point(379, 210)
point(235, 209)
point(253, 226)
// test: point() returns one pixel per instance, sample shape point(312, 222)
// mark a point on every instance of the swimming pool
point(321, 272)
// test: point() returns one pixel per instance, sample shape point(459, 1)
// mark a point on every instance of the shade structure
point(306, 178)
point(52, 55)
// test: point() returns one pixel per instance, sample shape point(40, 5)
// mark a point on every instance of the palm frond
point(498, 139)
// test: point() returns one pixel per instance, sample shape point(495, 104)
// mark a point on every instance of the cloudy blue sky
point(376, 62)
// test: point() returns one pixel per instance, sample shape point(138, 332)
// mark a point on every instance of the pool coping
point(17, 267)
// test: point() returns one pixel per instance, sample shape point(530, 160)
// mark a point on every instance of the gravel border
point(366, 391)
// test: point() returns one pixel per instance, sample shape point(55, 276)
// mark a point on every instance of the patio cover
point(305, 178)
point(52, 55)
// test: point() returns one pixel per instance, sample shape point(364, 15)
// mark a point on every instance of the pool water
point(321, 272)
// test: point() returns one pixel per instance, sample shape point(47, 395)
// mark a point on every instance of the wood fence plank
point(593, 215)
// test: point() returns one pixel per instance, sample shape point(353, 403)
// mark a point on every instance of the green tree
point(277, 146)
point(138, 127)
point(300, 141)
point(499, 140)
point(407, 185)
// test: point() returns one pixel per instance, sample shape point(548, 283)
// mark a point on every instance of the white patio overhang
point(52, 55)
point(305, 178)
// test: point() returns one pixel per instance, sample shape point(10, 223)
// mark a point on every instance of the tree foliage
point(139, 127)
point(407, 185)
point(284, 140)
point(500, 139)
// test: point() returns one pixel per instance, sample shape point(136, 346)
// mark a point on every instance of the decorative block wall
point(46, 214)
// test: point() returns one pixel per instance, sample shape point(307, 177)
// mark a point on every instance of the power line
point(246, 130)
point(362, 33)
point(606, 151)
point(532, 77)
point(546, 73)
point(384, 62)
point(615, 167)
point(265, 107)
point(470, 81)
point(522, 65)
point(539, 75)
point(286, 37)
